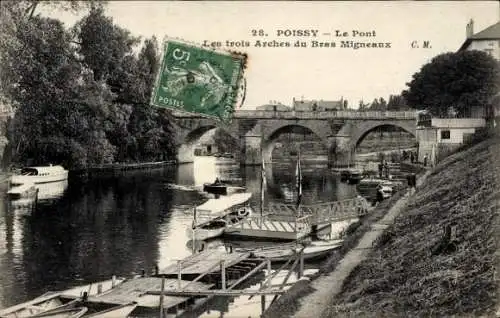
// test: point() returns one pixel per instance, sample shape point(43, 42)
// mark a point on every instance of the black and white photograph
point(248, 159)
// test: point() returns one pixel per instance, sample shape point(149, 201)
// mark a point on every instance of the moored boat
point(59, 301)
point(212, 217)
point(115, 312)
point(63, 313)
point(40, 174)
point(282, 252)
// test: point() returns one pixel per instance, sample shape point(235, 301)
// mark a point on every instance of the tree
point(463, 81)
point(396, 103)
point(362, 105)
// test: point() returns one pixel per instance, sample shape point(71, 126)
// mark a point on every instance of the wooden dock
point(205, 262)
point(145, 292)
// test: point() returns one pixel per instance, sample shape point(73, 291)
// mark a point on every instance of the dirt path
point(329, 286)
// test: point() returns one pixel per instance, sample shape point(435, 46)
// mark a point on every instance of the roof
point(216, 206)
point(490, 33)
point(458, 122)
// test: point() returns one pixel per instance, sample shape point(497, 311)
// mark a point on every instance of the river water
point(83, 232)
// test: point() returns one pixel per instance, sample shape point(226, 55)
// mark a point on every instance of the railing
point(300, 224)
point(341, 114)
point(321, 212)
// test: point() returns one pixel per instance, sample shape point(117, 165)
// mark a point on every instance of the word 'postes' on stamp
point(198, 80)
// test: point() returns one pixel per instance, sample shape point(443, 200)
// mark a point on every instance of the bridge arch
point(187, 142)
point(270, 136)
point(354, 135)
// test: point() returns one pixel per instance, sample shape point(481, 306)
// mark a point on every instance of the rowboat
point(221, 188)
point(212, 217)
point(63, 313)
point(115, 312)
point(282, 252)
point(45, 303)
point(58, 301)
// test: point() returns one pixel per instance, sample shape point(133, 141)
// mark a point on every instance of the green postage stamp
point(198, 80)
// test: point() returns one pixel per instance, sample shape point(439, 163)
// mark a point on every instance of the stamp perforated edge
point(243, 57)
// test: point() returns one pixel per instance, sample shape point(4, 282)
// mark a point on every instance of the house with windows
point(487, 40)
point(438, 137)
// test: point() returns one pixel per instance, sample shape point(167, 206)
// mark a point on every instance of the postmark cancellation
point(199, 80)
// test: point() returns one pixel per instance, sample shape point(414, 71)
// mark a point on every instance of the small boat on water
point(25, 190)
point(115, 312)
point(63, 313)
point(57, 303)
point(283, 252)
point(385, 190)
point(351, 175)
point(41, 174)
point(46, 303)
point(212, 217)
point(221, 188)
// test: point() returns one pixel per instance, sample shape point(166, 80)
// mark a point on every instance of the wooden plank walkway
point(143, 289)
point(202, 262)
point(219, 292)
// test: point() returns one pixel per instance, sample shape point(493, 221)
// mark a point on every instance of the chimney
point(469, 30)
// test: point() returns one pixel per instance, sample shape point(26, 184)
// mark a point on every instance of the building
point(439, 137)
point(275, 107)
point(488, 40)
point(319, 105)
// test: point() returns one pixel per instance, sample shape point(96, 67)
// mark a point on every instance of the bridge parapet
point(315, 115)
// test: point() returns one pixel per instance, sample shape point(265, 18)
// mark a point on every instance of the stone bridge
point(339, 131)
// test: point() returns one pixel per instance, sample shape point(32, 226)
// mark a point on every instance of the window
point(445, 134)
point(489, 51)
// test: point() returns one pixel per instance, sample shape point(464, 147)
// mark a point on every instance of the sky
point(283, 73)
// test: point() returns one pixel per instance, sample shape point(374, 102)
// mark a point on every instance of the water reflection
point(84, 231)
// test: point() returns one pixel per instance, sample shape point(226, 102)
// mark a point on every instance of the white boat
point(212, 217)
point(59, 301)
point(121, 311)
point(43, 304)
point(284, 252)
point(63, 313)
point(41, 174)
point(385, 190)
point(25, 190)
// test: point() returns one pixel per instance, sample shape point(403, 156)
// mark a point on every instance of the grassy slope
point(403, 277)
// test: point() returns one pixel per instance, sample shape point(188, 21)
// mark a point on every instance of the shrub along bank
point(439, 257)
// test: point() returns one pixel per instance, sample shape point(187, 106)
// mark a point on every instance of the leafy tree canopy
point(461, 81)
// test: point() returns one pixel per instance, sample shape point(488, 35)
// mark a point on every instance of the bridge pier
point(185, 154)
point(251, 153)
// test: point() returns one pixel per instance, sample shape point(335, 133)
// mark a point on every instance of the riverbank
point(292, 302)
point(438, 259)
point(119, 167)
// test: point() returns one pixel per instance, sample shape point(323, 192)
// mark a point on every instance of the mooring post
point(113, 281)
point(262, 302)
point(161, 296)
point(223, 274)
point(301, 265)
point(99, 288)
point(268, 271)
point(179, 274)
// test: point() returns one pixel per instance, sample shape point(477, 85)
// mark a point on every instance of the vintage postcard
point(249, 159)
